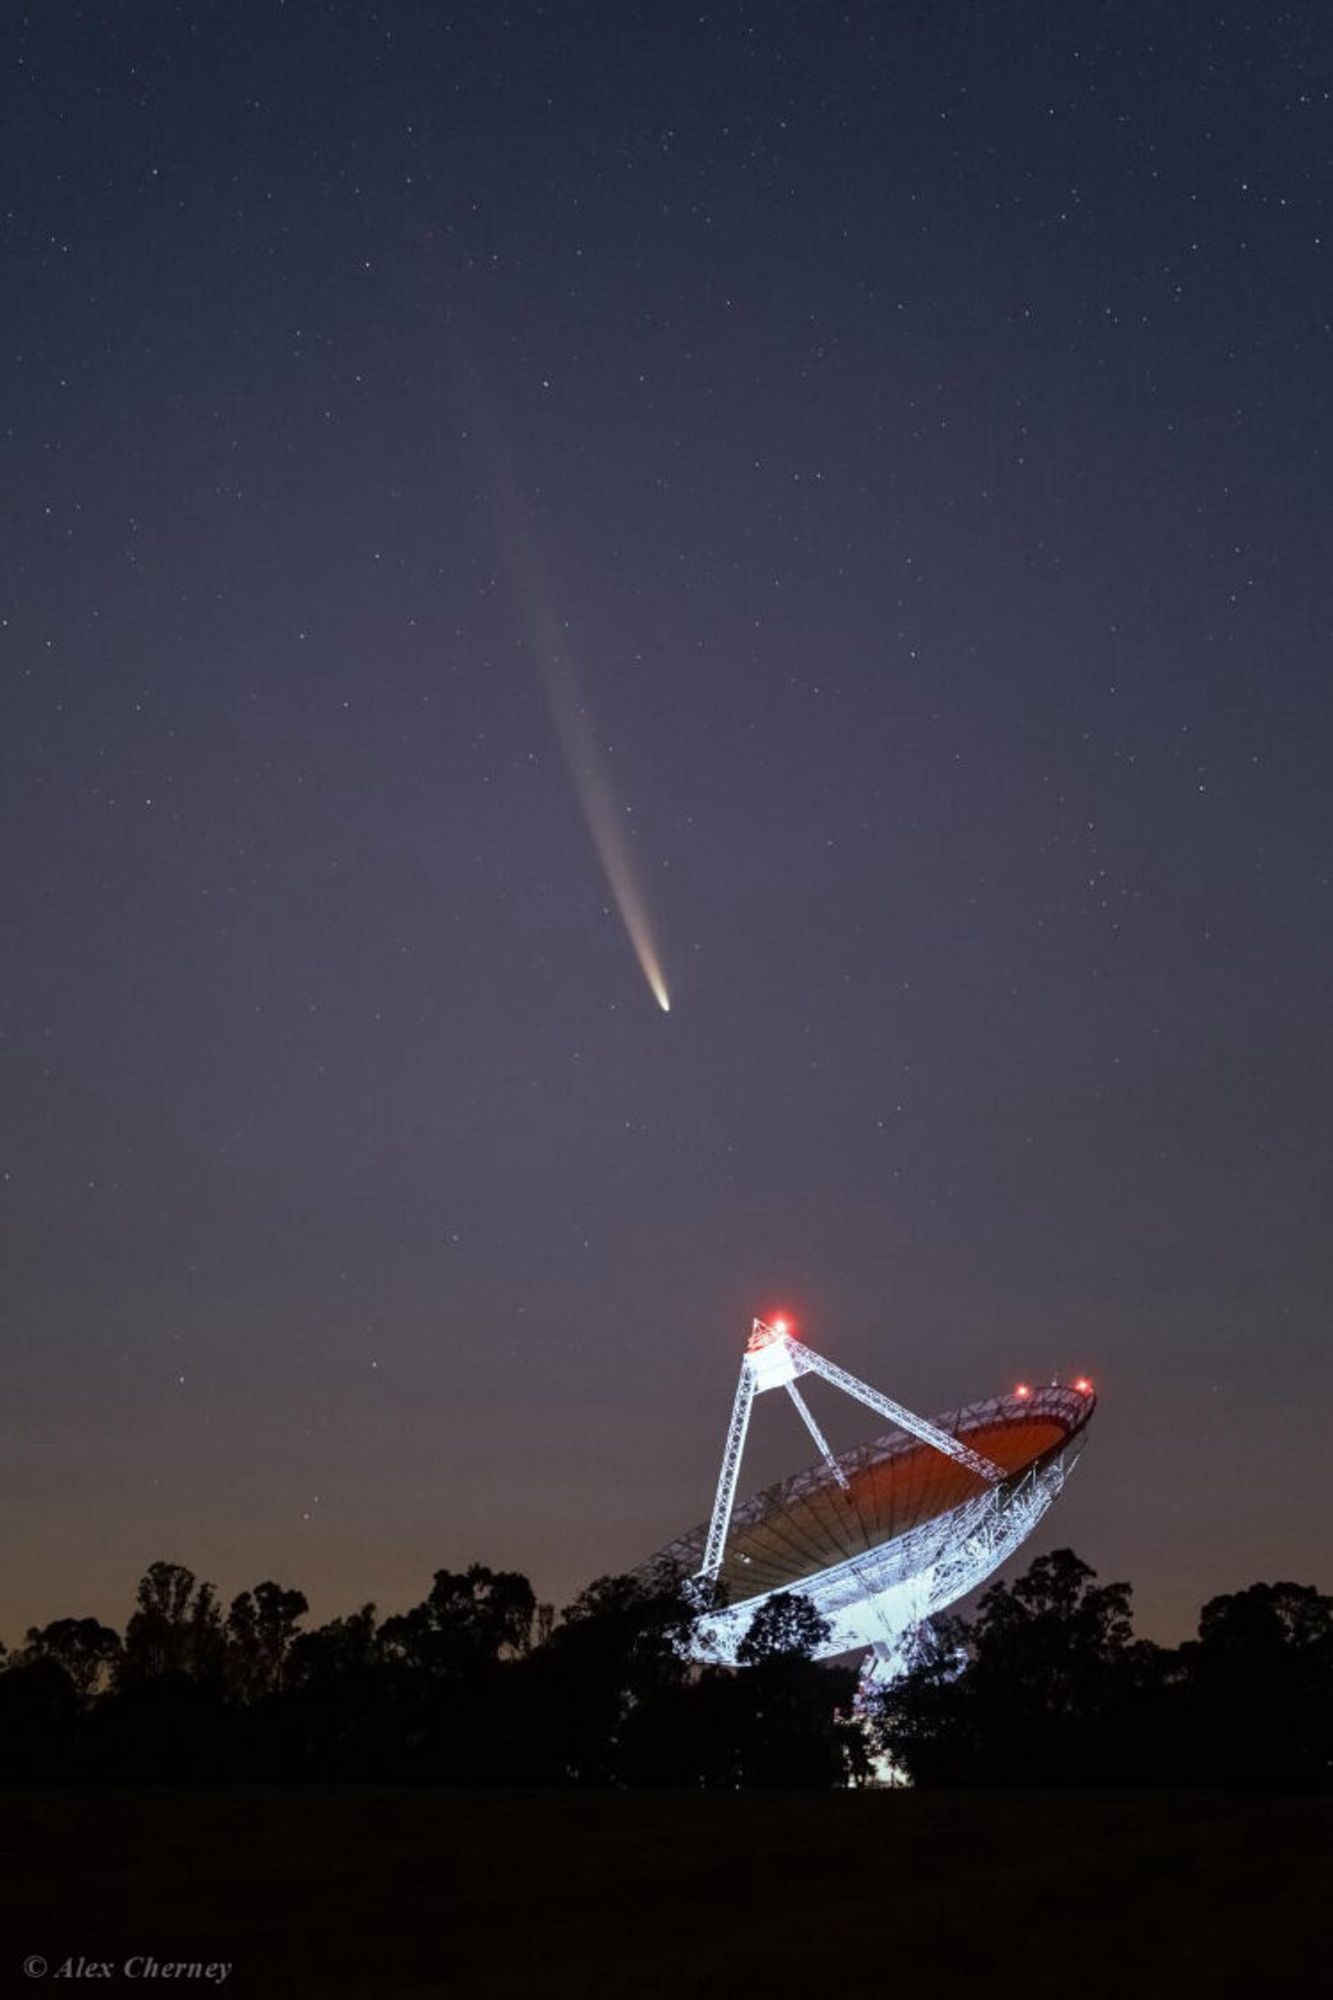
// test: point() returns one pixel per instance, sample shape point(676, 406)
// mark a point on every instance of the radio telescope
point(882, 1536)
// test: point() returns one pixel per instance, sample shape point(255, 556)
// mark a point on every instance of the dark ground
point(418, 1892)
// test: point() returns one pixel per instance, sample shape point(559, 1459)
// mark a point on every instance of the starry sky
point(911, 427)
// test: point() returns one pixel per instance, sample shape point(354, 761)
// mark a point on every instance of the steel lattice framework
point(885, 1535)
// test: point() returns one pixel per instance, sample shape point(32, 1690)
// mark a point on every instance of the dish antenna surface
point(883, 1536)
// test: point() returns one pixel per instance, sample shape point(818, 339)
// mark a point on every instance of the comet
point(571, 719)
point(604, 821)
point(585, 761)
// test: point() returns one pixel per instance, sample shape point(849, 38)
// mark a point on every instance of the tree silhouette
point(1035, 1690)
point(442, 1669)
point(343, 1646)
point(261, 1630)
point(785, 1623)
point(1261, 1676)
point(39, 1718)
point(332, 1717)
point(176, 1627)
point(166, 1719)
point(618, 1649)
point(789, 1707)
point(83, 1648)
point(467, 1623)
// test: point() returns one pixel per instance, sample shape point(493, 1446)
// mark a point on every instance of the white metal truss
point(929, 1433)
point(725, 1498)
point(821, 1441)
point(772, 1360)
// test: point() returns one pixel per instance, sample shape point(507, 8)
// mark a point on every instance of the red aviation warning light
point(763, 1332)
point(1023, 1391)
point(1083, 1386)
point(770, 1355)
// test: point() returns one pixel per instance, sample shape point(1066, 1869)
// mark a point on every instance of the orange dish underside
point(785, 1536)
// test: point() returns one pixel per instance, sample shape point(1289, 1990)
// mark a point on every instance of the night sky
point(910, 427)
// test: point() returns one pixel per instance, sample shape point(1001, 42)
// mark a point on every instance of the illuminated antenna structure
point(883, 1536)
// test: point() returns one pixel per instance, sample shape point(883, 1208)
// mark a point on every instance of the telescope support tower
point(773, 1359)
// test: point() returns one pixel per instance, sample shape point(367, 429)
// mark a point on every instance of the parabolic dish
point(909, 1533)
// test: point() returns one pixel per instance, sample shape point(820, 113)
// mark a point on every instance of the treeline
point(476, 1685)
point(1046, 1685)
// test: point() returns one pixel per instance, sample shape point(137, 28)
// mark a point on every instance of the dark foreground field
point(402, 1892)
